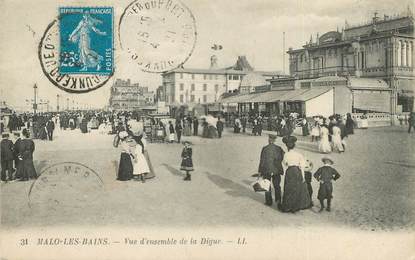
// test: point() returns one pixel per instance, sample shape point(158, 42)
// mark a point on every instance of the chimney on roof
point(213, 62)
point(375, 18)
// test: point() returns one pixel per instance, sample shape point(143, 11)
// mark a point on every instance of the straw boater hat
point(327, 160)
point(187, 142)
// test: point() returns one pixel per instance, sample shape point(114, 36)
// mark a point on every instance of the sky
point(253, 28)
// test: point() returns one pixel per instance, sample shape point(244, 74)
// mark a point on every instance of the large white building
point(202, 86)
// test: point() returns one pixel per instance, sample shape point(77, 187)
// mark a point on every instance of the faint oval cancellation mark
point(158, 35)
point(48, 52)
point(66, 184)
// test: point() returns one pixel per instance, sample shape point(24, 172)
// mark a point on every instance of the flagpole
point(283, 53)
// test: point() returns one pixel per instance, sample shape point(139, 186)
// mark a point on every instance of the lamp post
point(57, 102)
point(34, 102)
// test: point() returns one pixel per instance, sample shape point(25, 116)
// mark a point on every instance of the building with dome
point(364, 69)
point(382, 49)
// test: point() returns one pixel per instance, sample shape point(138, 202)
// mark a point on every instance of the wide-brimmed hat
point(272, 136)
point(187, 142)
point(122, 134)
point(289, 139)
point(327, 160)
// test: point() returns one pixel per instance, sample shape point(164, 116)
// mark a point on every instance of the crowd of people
point(134, 164)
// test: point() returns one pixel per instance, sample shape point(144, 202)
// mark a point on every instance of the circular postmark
point(49, 58)
point(67, 184)
point(158, 35)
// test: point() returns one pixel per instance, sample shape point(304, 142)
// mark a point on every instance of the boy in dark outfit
point(325, 175)
point(187, 162)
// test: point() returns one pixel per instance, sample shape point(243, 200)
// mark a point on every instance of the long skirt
point(140, 165)
point(125, 169)
point(337, 143)
point(26, 169)
point(305, 130)
point(295, 196)
point(324, 145)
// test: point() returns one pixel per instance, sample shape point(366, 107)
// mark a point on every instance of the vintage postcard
point(207, 129)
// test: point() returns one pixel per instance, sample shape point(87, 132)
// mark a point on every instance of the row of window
point(192, 98)
point(205, 76)
point(193, 87)
point(214, 76)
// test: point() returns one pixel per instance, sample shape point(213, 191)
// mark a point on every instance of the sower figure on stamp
point(270, 168)
point(82, 34)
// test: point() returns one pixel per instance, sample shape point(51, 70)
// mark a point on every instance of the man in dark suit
point(50, 127)
point(17, 150)
point(219, 127)
point(270, 168)
point(195, 126)
point(7, 157)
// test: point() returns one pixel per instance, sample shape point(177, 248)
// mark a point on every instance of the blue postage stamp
point(86, 40)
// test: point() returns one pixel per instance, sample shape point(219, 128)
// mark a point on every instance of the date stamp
point(50, 58)
point(65, 185)
point(158, 35)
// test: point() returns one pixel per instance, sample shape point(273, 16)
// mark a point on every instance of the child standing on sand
point(187, 162)
point(325, 175)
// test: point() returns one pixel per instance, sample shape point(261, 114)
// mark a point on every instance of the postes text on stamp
point(158, 35)
point(86, 40)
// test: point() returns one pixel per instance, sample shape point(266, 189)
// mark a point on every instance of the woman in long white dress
point(324, 145)
point(337, 140)
point(140, 165)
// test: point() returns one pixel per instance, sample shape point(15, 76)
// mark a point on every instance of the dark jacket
point(28, 147)
point(178, 128)
point(6, 150)
point(271, 160)
point(219, 126)
point(17, 147)
point(326, 174)
point(50, 125)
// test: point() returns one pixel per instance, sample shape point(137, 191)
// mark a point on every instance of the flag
point(217, 47)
